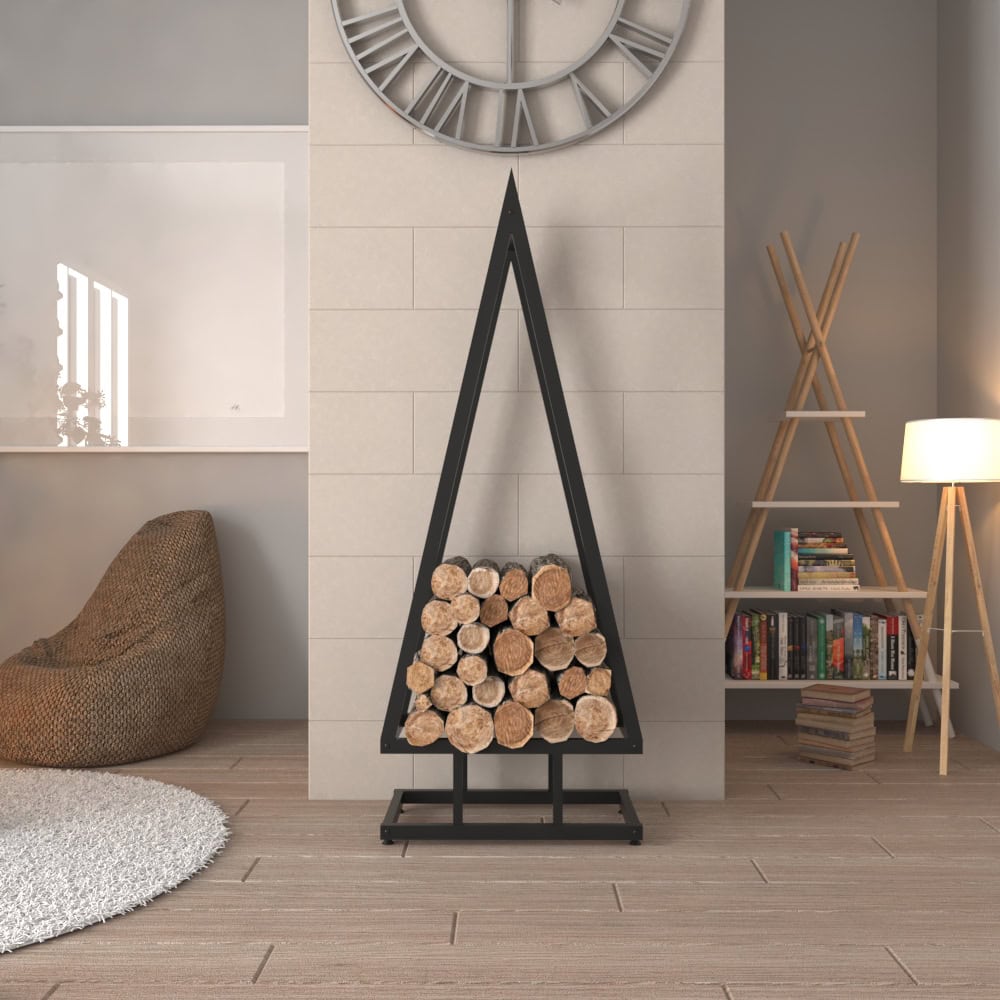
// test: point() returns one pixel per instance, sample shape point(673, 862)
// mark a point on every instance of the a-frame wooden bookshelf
point(815, 362)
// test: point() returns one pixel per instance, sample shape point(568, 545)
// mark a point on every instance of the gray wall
point(62, 517)
point(831, 127)
point(969, 304)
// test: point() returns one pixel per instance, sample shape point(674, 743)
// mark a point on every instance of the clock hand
point(512, 36)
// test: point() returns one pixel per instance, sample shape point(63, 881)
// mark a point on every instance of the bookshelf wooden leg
point(977, 582)
point(923, 642)
point(949, 593)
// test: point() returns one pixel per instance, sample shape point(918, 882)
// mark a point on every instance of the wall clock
point(470, 72)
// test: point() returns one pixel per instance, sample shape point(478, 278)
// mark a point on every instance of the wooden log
point(466, 608)
point(531, 688)
point(551, 585)
point(438, 618)
point(573, 682)
point(591, 649)
point(554, 721)
point(513, 582)
point(450, 578)
point(554, 649)
point(469, 728)
point(419, 677)
point(439, 652)
point(598, 681)
point(490, 692)
point(513, 652)
point(578, 617)
point(514, 725)
point(484, 579)
point(473, 638)
point(494, 611)
point(421, 729)
point(449, 692)
point(529, 617)
point(595, 718)
point(472, 670)
point(421, 703)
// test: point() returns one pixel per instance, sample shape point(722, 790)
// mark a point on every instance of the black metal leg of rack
point(628, 827)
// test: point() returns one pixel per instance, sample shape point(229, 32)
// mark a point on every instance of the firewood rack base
point(555, 795)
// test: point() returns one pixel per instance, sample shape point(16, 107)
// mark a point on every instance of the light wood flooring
point(806, 884)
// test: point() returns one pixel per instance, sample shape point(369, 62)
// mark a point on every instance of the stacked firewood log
point(508, 654)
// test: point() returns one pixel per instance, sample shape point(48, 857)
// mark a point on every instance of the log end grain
point(551, 584)
point(469, 728)
point(449, 692)
point(484, 579)
point(421, 729)
point(490, 692)
point(513, 652)
point(554, 649)
point(529, 617)
point(466, 608)
point(494, 611)
point(530, 689)
point(554, 721)
point(598, 681)
point(513, 582)
point(450, 578)
point(514, 725)
point(473, 638)
point(439, 652)
point(595, 718)
point(591, 649)
point(419, 677)
point(472, 669)
point(578, 617)
point(573, 683)
point(438, 618)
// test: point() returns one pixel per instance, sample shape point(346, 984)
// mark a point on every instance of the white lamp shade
point(957, 450)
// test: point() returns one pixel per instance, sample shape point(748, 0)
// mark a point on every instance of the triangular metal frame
point(511, 251)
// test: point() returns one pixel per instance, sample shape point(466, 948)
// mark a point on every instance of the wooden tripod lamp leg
point(977, 582)
point(949, 593)
point(923, 642)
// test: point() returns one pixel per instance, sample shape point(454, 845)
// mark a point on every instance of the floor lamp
point(950, 452)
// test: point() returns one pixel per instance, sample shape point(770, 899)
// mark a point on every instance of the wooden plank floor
point(805, 883)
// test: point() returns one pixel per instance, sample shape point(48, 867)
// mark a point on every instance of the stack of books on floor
point(836, 726)
point(813, 560)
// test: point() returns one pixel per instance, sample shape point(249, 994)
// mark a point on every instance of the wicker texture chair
point(136, 674)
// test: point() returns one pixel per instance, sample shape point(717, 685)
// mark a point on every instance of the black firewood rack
point(511, 251)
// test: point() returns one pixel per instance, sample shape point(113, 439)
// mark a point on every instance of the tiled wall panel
point(627, 235)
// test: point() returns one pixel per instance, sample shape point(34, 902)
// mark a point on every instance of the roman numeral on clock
point(522, 120)
point(443, 96)
point(588, 102)
point(644, 48)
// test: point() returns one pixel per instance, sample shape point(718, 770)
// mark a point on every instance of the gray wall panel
point(153, 62)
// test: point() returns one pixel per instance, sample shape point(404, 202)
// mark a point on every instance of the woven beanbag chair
point(136, 674)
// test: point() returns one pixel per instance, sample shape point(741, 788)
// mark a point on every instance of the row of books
point(830, 645)
point(813, 560)
point(836, 726)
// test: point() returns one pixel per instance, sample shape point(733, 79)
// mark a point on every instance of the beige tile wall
point(627, 234)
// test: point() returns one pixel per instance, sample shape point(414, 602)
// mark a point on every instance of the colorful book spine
point(882, 663)
point(838, 660)
point(866, 647)
point(782, 645)
point(783, 560)
point(821, 647)
point(772, 645)
point(755, 646)
point(812, 645)
point(906, 671)
point(892, 648)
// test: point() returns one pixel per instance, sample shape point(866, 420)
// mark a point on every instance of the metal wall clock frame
point(382, 44)
point(511, 252)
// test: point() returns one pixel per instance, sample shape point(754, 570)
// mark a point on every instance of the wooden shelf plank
point(825, 414)
point(822, 504)
point(733, 685)
point(864, 594)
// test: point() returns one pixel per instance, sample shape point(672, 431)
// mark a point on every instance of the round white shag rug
point(77, 847)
